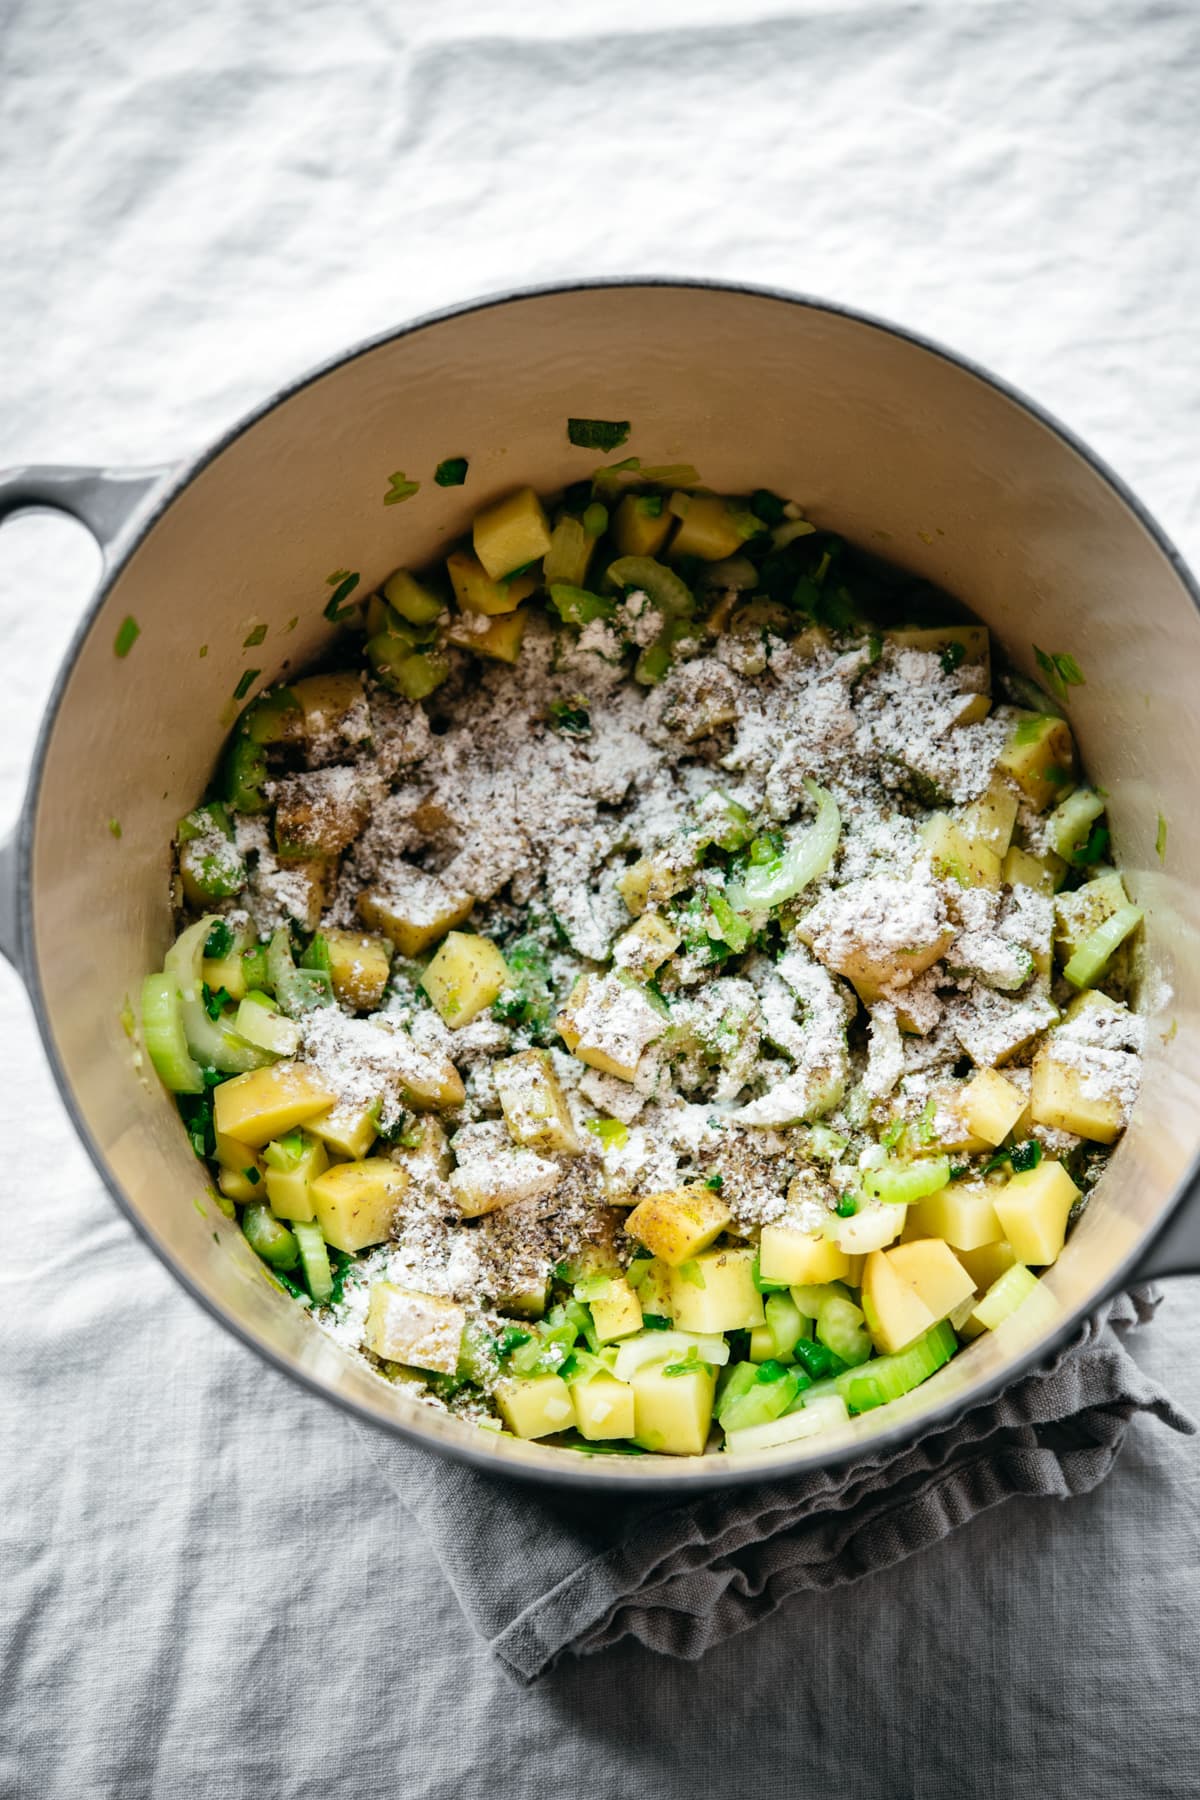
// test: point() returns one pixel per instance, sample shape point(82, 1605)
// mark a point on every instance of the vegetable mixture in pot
point(650, 983)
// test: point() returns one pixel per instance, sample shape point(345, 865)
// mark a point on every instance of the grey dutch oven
point(878, 431)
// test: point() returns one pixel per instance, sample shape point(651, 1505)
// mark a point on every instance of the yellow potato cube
point(423, 1331)
point(608, 1022)
point(359, 963)
point(1077, 915)
point(1085, 1100)
point(956, 856)
point(534, 1105)
point(604, 1408)
point(990, 819)
point(991, 1106)
point(510, 533)
point(646, 946)
point(1033, 1208)
point(723, 1298)
point(528, 1302)
point(677, 1224)
point(355, 1202)
point(328, 704)
point(262, 1105)
point(673, 1413)
point(499, 640)
point(707, 527)
point(242, 1185)
point(493, 1172)
point(988, 1263)
point(346, 1130)
point(638, 530)
point(934, 1273)
point(477, 593)
point(535, 1406)
point(971, 709)
point(935, 639)
point(232, 1154)
point(895, 1312)
point(1043, 873)
point(466, 975)
point(964, 1214)
point(288, 1190)
point(1040, 758)
point(646, 882)
point(617, 1312)
point(303, 897)
point(416, 910)
point(228, 972)
point(800, 1258)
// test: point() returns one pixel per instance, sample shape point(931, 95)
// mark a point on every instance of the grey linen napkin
point(577, 1575)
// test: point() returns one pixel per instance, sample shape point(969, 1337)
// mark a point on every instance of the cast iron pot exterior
point(881, 435)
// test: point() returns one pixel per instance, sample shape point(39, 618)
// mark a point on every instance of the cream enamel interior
point(876, 435)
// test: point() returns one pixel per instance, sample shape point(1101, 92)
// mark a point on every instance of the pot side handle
point(1176, 1249)
point(107, 501)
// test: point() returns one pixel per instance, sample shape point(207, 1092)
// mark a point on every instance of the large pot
point(887, 438)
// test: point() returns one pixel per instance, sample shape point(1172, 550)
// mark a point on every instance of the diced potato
point(1040, 758)
point(288, 1190)
point(416, 910)
point(637, 529)
point(871, 1228)
point(422, 1331)
point(974, 641)
point(1033, 1209)
point(230, 1153)
point(617, 1312)
point(680, 1222)
point(990, 819)
point(707, 527)
point(528, 1302)
point(799, 1257)
point(492, 1172)
point(956, 856)
point(971, 709)
point(356, 1202)
point(724, 1298)
point(263, 1104)
point(646, 945)
point(534, 1104)
point(608, 1022)
point(1044, 873)
point(1085, 1101)
point(466, 975)
point(932, 1270)
point(535, 1406)
point(425, 1142)
point(510, 533)
point(228, 972)
point(499, 640)
point(1078, 914)
point(673, 1413)
point(317, 814)
point(964, 1214)
point(302, 897)
point(991, 1106)
point(947, 1128)
point(242, 1185)
point(848, 948)
point(895, 1312)
point(646, 882)
point(476, 592)
point(604, 1408)
point(346, 1130)
point(359, 964)
point(988, 1263)
point(330, 704)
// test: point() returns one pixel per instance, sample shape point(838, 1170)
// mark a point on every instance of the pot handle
point(106, 501)
point(1176, 1250)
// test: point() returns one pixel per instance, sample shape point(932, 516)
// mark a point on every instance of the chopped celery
point(162, 1030)
point(841, 1329)
point(1069, 824)
point(661, 586)
point(297, 990)
point(667, 1346)
point(243, 773)
point(211, 1041)
point(274, 718)
point(785, 1322)
point(286, 1152)
point(268, 1238)
point(260, 1022)
point(902, 1183)
point(579, 606)
point(1092, 957)
point(818, 1416)
point(314, 1260)
point(767, 1394)
point(1004, 1296)
point(886, 1378)
point(809, 854)
point(566, 561)
point(655, 660)
point(721, 822)
point(415, 603)
point(254, 965)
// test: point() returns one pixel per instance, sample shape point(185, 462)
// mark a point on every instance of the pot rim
point(687, 1476)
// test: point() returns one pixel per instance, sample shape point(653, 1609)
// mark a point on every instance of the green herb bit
point(715, 1182)
point(256, 637)
point(203, 650)
point(891, 1137)
point(595, 519)
point(219, 941)
point(128, 633)
point(452, 472)
point(610, 1131)
point(656, 1322)
point(1093, 850)
point(252, 1175)
point(246, 683)
point(215, 1003)
point(959, 1170)
point(846, 1207)
point(346, 585)
point(570, 717)
point(604, 435)
point(1061, 671)
point(114, 826)
point(1026, 1156)
point(767, 506)
point(953, 656)
point(399, 488)
point(1160, 839)
point(691, 1362)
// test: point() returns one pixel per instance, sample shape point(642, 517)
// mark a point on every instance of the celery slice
point(902, 1183)
point(786, 1323)
point(766, 1394)
point(1006, 1293)
point(265, 1027)
point(661, 586)
point(314, 1260)
point(840, 1328)
point(268, 1238)
point(162, 1031)
point(1092, 956)
point(297, 990)
point(886, 1378)
point(667, 1346)
point(578, 605)
point(769, 884)
point(213, 1044)
point(819, 1416)
point(1067, 827)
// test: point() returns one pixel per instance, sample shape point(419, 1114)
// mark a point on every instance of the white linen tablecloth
point(206, 1585)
